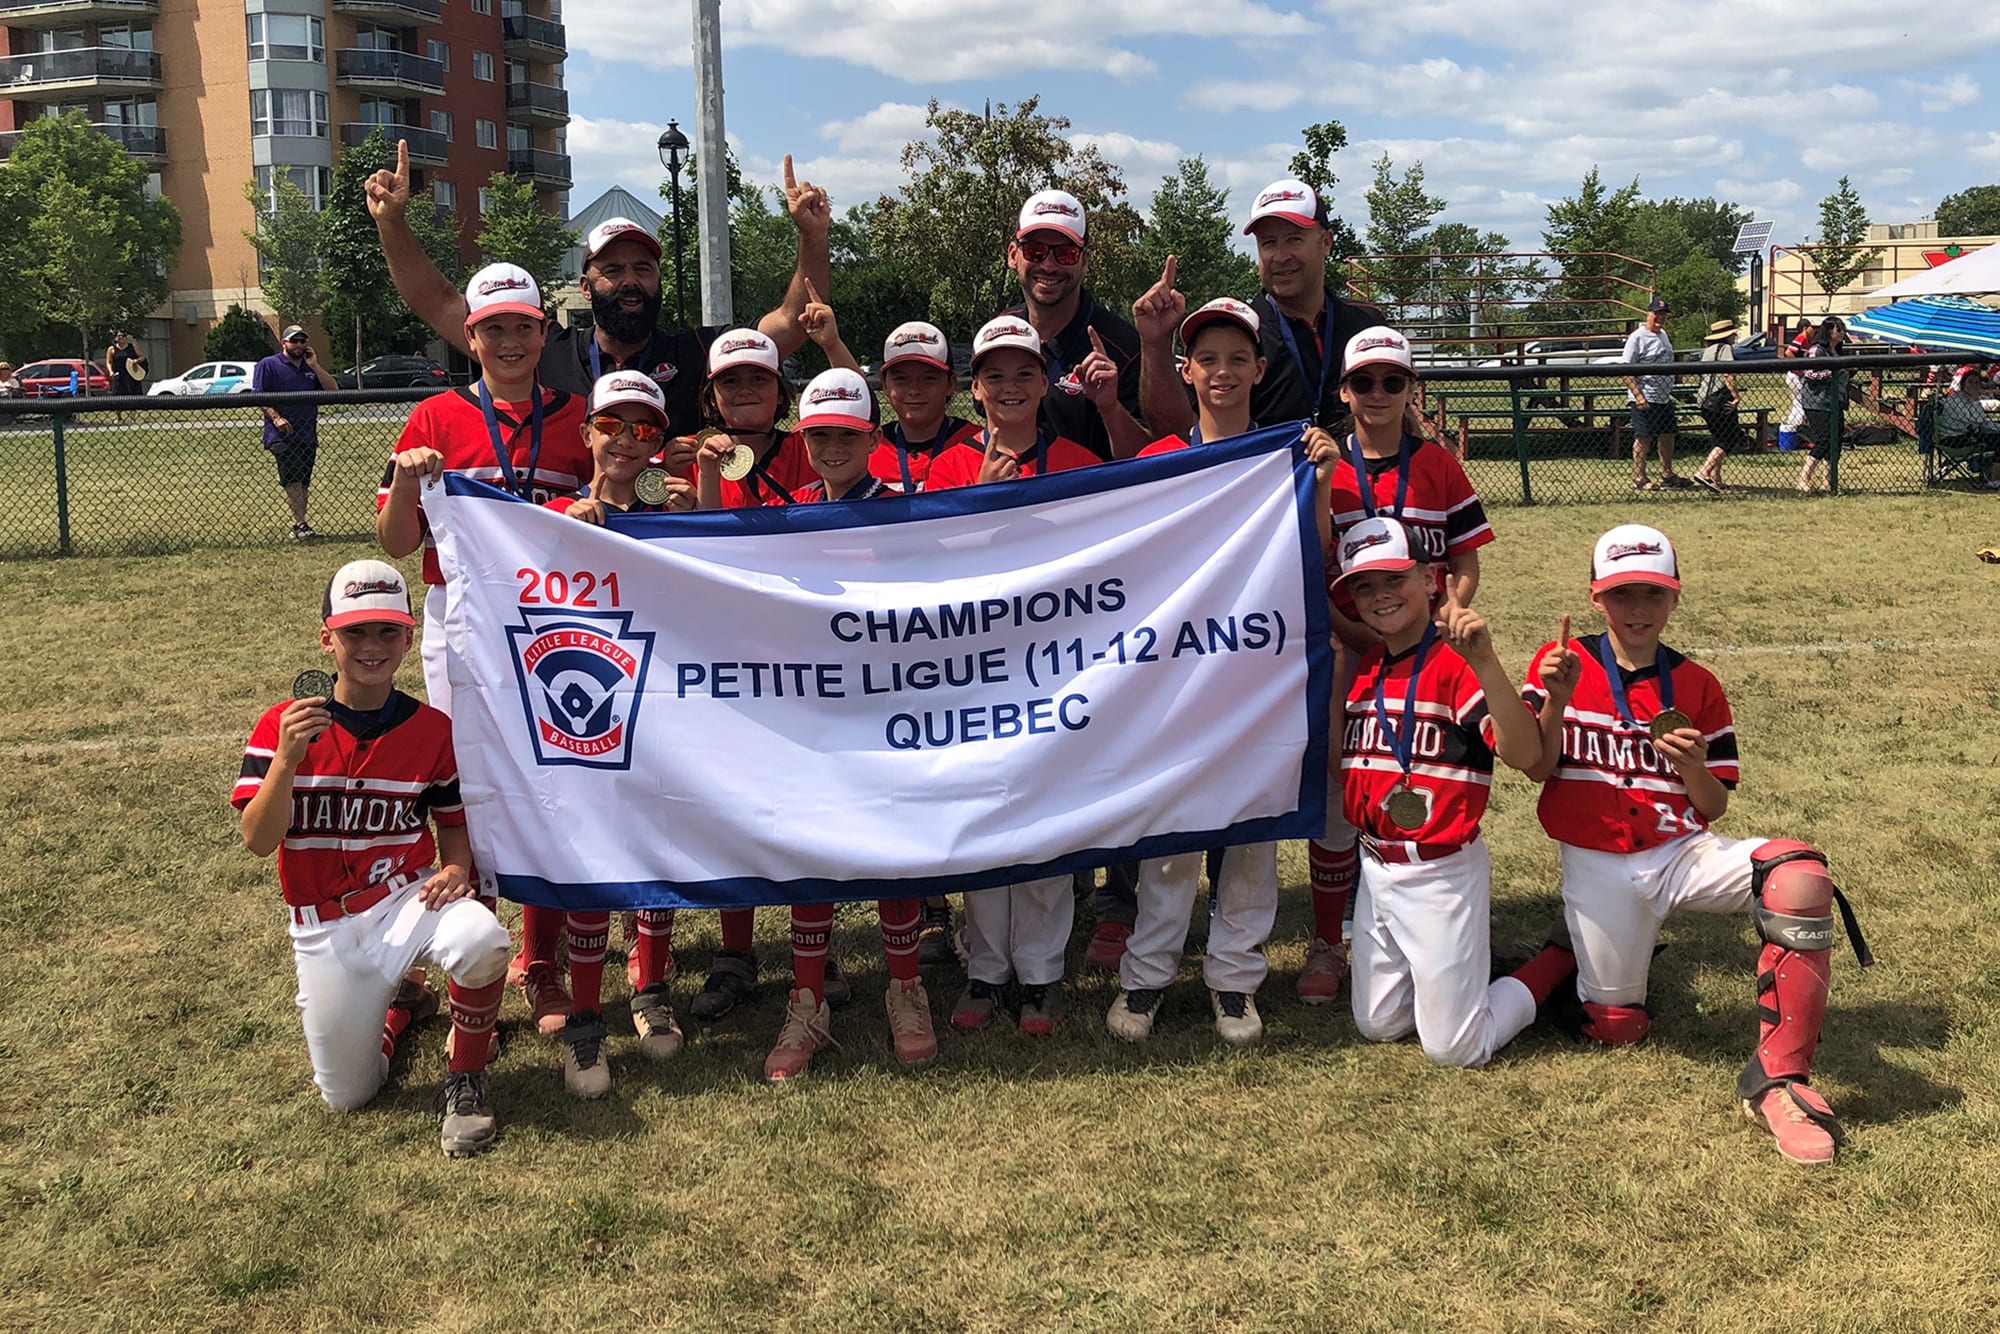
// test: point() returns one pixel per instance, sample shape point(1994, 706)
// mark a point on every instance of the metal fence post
point(1836, 423)
point(1521, 441)
point(62, 486)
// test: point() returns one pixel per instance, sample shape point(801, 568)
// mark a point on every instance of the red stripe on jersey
point(1452, 747)
point(453, 425)
point(787, 465)
point(1612, 791)
point(882, 461)
point(1441, 504)
point(1166, 444)
point(360, 807)
point(959, 465)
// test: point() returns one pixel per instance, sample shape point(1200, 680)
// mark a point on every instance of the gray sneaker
point(1236, 1019)
point(653, 1020)
point(469, 1126)
point(1132, 1014)
point(732, 976)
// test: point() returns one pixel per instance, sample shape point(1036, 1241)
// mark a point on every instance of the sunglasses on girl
point(1365, 384)
point(1069, 256)
point(646, 433)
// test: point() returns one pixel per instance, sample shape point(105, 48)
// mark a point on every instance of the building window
point(441, 124)
point(482, 66)
point(439, 51)
point(316, 182)
point(288, 111)
point(482, 6)
point(486, 134)
point(287, 37)
point(485, 199)
point(446, 195)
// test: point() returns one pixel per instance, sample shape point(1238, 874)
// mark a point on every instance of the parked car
point(51, 378)
point(1757, 347)
point(211, 377)
point(394, 372)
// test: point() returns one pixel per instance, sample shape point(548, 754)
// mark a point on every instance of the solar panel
point(1752, 236)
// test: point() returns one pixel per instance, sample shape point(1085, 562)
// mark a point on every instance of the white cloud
point(888, 126)
point(617, 152)
point(1960, 90)
point(1983, 147)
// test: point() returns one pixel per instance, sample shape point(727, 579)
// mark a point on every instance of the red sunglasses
point(1069, 256)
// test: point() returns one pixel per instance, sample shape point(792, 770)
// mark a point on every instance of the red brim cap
point(1635, 577)
point(924, 357)
point(1282, 215)
point(485, 313)
point(370, 615)
point(835, 419)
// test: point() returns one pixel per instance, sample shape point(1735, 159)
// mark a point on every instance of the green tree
point(1191, 221)
point(965, 186)
point(20, 314)
point(1584, 231)
point(1400, 214)
point(238, 336)
point(1313, 164)
point(1698, 291)
point(872, 292)
point(97, 248)
point(515, 229)
point(1839, 257)
point(363, 313)
point(1974, 211)
point(763, 248)
point(1705, 226)
point(1479, 286)
point(287, 240)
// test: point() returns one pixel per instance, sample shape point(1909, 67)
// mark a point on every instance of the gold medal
point(1668, 720)
point(736, 465)
point(651, 486)
point(312, 683)
point(1407, 808)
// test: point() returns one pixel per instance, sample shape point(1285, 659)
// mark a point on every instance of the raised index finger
point(811, 295)
point(1168, 270)
point(1096, 343)
point(402, 159)
point(791, 181)
point(1562, 640)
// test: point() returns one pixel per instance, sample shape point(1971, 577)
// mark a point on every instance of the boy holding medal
point(1429, 709)
point(1638, 757)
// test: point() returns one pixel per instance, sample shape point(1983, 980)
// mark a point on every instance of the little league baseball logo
point(582, 676)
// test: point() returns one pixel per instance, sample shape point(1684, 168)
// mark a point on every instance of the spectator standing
point(291, 433)
point(1652, 398)
point(126, 366)
point(1820, 387)
point(1715, 398)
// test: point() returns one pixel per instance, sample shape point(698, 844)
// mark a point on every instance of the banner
point(906, 695)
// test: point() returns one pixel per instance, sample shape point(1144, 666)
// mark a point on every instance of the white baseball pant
point(1422, 957)
point(1614, 903)
point(430, 650)
point(1019, 932)
point(1246, 907)
point(349, 970)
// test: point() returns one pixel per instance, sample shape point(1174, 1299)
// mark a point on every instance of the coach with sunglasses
point(1050, 256)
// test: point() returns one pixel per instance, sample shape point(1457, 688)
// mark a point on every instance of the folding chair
point(1947, 461)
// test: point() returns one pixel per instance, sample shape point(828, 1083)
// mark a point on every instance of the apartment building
point(211, 95)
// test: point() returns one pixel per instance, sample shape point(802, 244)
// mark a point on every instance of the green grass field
point(166, 1164)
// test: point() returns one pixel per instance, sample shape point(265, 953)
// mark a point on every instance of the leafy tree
point(20, 316)
point(97, 248)
point(363, 311)
point(515, 229)
point(1313, 164)
point(1400, 213)
point(287, 239)
point(1698, 291)
point(1191, 222)
point(238, 336)
point(1582, 230)
point(763, 248)
point(1709, 227)
point(1478, 288)
point(873, 292)
point(1974, 211)
point(1839, 258)
point(690, 248)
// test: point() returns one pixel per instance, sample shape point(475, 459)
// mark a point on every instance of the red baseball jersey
point(362, 798)
point(1166, 444)
point(959, 465)
point(1440, 503)
point(1611, 790)
point(786, 466)
point(886, 463)
point(453, 425)
point(1451, 747)
point(866, 489)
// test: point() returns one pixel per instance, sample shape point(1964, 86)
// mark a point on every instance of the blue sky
point(1506, 102)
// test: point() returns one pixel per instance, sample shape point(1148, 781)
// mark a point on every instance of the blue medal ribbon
point(1324, 330)
point(760, 472)
point(1616, 676)
point(1364, 484)
point(1403, 744)
point(1057, 367)
point(501, 450)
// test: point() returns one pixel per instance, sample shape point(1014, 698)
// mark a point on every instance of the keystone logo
point(1354, 546)
point(1620, 550)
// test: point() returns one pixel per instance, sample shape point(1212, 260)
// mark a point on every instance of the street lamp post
point(673, 156)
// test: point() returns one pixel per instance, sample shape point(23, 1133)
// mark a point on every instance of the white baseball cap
point(1004, 332)
point(1379, 543)
point(366, 591)
point(916, 341)
point(618, 229)
point(1379, 345)
point(1226, 309)
point(1052, 210)
point(742, 347)
point(628, 387)
point(1632, 553)
point(502, 289)
point(838, 397)
point(1290, 200)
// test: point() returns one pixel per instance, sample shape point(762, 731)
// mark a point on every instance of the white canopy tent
point(1972, 274)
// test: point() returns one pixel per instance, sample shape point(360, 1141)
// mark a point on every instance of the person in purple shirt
point(291, 433)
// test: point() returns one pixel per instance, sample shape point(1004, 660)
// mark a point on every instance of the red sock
point(1333, 874)
point(902, 923)
point(541, 929)
point(812, 928)
point(473, 1010)
point(1545, 972)
point(655, 946)
point(393, 1025)
point(736, 927)
point(588, 932)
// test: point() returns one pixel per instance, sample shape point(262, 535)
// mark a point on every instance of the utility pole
point(711, 164)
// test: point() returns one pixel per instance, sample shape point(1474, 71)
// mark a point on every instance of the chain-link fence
point(137, 476)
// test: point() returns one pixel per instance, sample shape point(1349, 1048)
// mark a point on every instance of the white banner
point(912, 694)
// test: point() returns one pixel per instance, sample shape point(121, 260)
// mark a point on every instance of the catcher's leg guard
point(1616, 1025)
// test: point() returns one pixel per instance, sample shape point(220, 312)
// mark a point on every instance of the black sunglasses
point(1365, 384)
point(1036, 251)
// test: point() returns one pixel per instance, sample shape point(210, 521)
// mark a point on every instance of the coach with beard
point(621, 279)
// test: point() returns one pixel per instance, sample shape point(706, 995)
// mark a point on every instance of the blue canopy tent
point(1936, 323)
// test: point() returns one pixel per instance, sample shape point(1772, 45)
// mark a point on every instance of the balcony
point(395, 13)
point(388, 71)
point(540, 166)
point(427, 147)
point(55, 76)
point(148, 143)
point(64, 13)
point(526, 37)
point(537, 102)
